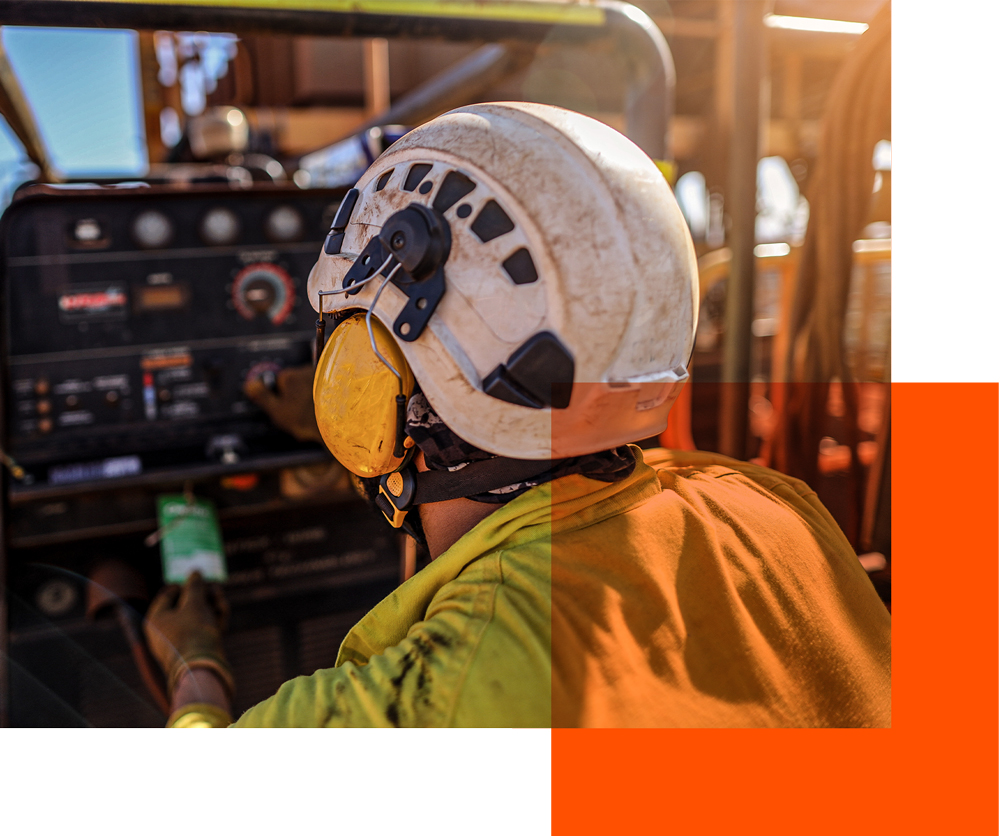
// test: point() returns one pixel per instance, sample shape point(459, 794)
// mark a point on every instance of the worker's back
point(699, 592)
point(730, 598)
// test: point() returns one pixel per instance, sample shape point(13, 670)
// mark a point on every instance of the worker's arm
point(477, 654)
point(200, 701)
point(184, 631)
point(414, 683)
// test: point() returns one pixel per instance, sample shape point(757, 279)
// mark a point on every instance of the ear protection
point(363, 383)
point(360, 401)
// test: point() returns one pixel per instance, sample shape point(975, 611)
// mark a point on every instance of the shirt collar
point(565, 504)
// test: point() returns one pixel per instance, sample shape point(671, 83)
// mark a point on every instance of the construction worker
point(514, 300)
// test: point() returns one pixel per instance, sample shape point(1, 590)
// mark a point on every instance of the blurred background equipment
point(838, 328)
point(221, 141)
point(342, 163)
point(127, 356)
point(157, 300)
point(810, 396)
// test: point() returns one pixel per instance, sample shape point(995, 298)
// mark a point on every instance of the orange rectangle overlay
point(935, 770)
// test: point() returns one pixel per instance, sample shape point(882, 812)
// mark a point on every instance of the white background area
point(280, 782)
point(945, 191)
point(946, 271)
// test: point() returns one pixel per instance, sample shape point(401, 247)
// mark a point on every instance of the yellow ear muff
point(354, 395)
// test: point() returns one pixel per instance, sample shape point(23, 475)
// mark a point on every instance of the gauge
point(152, 229)
point(56, 597)
point(284, 224)
point(263, 290)
point(219, 226)
point(87, 231)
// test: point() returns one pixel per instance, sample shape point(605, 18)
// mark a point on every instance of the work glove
point(184, 627)
point(291, 408)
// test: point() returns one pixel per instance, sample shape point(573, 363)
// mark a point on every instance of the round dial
point(284, 224)
point(56, 597)
point(263, 290)
point(152, 229)
point(219, 226)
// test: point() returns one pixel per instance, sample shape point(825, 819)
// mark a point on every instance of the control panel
point(135, 316)
point(132, 318)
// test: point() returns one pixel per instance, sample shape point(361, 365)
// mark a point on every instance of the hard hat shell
point(610, 273)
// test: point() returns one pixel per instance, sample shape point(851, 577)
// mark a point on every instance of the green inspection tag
point(189, 539)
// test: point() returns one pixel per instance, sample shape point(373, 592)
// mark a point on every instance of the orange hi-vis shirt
point(725, 596)
point(699, 592)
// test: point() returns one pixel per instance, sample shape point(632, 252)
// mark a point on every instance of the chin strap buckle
point(396, 492)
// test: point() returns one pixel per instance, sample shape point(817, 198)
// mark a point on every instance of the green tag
point(189, 539)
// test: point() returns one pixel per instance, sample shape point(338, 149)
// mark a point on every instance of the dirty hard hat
point(534, 271)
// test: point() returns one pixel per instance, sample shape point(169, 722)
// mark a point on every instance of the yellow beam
point(532, 11)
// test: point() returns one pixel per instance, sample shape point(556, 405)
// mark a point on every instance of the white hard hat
point(566, 314)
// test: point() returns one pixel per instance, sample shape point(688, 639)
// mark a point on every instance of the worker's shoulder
point(670, 464)
point(521, 569)
point(761, 499)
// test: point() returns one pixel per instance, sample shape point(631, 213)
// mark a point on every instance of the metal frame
point(649, 100)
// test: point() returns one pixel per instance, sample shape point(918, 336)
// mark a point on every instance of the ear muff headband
point(354, 394)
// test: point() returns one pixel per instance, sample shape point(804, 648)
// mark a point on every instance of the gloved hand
point(184, 628)
point(291, 409)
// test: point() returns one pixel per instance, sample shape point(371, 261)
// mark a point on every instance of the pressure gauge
point(220, 226)
point(56, 597)
point(152, 229)
point(263, 290)
point(283, 224)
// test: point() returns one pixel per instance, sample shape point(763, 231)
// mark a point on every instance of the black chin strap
point(402, 490)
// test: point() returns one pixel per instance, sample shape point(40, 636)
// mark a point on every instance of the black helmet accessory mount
point(419, 239)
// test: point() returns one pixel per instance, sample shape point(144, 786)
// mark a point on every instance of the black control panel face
point(135, 316)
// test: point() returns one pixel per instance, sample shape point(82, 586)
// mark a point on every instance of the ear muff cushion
point(354, 394)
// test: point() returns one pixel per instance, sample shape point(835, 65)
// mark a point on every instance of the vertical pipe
point(376, 72)
point(792, 96)
point(748, 69)
point(717, 157)
point(152, 96)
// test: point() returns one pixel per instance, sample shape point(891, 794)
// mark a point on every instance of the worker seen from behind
point(511, 293)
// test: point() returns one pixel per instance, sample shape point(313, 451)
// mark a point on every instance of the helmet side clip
point(419, 239)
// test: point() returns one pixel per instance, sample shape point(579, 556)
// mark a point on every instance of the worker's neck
point(445, 522)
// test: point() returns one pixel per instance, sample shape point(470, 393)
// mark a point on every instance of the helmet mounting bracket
point(419, 239)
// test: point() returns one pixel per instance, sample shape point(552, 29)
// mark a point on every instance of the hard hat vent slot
point(345, 210)
point(520, 267)
point(491, 222)
point(416, 173)
point(454, 187)
point(334, 242)
point(536, 375)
